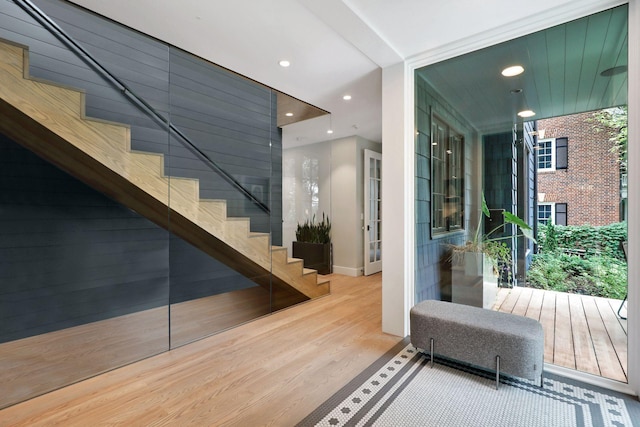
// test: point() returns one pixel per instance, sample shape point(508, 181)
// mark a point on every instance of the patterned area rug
point(401, 389)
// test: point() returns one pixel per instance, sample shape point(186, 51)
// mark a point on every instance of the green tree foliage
point(614, 120)
point(593, 240)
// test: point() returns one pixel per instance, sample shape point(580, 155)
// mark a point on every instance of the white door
point(372, 210)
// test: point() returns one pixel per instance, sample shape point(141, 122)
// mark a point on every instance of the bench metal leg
point(497, 371)
point(431, 350)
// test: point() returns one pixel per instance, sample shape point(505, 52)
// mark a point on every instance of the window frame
point(554, 212)
point(447, 178)
point(553, 154)
point(552, 215)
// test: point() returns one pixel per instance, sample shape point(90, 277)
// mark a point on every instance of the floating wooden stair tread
point(49, 120)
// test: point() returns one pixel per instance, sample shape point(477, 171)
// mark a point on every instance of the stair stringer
point(49, 120)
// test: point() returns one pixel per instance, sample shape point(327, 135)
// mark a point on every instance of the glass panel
point(372, 252)
point(372, 168)
point(207, 294)
point(555, 167)
point(84, 284)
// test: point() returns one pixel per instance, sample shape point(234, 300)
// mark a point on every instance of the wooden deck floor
point(581, 332)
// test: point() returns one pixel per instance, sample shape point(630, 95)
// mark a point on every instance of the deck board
point(535, 304)
point(586, 360)
point(563, 351)
point(548, 321)
point(581, 332)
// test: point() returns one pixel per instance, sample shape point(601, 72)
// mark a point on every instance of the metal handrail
point(55, 29)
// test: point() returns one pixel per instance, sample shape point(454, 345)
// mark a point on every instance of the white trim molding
point(574, 10)
point(633, 304)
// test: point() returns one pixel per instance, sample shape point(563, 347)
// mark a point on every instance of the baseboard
point(347, 271)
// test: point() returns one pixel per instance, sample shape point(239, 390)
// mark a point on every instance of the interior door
point(372, 210)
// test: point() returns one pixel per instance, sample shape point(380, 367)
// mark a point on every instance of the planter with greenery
point(313, 244)
point(477, 264)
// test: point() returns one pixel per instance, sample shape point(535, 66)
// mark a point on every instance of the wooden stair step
point(100, 152)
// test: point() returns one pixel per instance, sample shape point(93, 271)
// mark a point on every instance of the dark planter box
point(315, 255)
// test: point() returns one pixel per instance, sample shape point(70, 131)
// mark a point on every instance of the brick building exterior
point(583, 179)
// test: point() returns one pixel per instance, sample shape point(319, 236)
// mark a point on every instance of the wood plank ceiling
point(565, 73)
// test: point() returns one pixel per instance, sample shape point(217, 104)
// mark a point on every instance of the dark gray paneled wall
point(68, 254)
point(498, 176)
point(236, 126)
point(501, 180)
point(228, 117)
point(231, 120)
point(432, 265)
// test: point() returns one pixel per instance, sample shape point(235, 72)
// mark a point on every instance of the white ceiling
point(336, 47)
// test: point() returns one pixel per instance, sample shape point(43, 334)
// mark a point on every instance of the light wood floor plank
point(272, 371)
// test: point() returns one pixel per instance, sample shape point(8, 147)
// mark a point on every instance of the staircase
point(49, 120)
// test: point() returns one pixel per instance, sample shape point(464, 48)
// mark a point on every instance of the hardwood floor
point(581, 332)
point(272, 371)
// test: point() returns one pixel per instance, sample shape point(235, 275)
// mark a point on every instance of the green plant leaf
point(513, 219)
point(485, 208)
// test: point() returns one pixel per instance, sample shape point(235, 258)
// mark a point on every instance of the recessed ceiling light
point(329, 131)
point(284, 63)
point(346, 97)
point(289, 114)
point(526, 113)
point(513, 71)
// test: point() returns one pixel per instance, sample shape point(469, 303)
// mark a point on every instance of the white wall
point(347, 203)
point(397, 200)
point(340, 195)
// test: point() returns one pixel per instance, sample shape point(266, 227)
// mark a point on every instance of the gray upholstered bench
point(497, 341)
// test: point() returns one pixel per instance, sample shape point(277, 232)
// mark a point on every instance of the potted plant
point(313, 244)
point(477, 263)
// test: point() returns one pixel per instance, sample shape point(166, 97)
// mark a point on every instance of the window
point(546, 152)
point(545, 213)
point(554, 212)
point(552, 154)
point(447, 157)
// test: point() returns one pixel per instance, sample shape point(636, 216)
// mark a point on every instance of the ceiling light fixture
point(346, 97)
point(613, 71)
point(514, 70)
point(284, 63)
point(289, 114)
point(526, 113)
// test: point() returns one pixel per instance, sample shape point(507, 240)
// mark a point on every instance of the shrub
point(314, 232)
point(594, 240)
point(602, 276)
